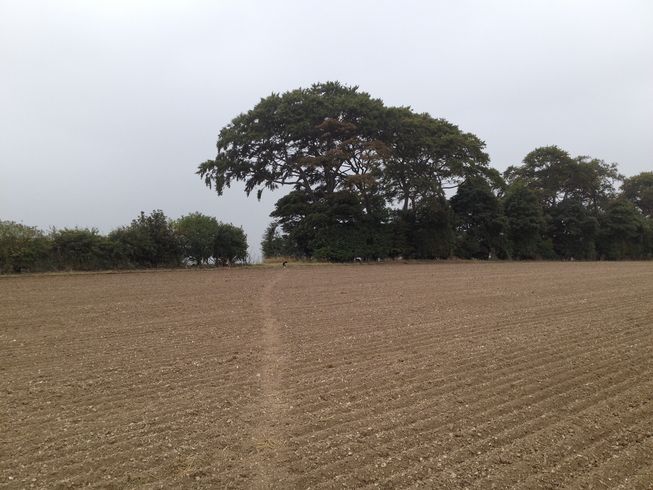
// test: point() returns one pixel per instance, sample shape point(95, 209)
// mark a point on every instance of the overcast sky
point(107, 107)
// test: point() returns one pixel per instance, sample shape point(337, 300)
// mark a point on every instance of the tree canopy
point(428, 157)
point(351, 162)
point(369, 180)
point(315, 139)
point(555, 176)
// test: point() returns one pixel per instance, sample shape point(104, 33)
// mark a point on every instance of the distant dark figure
point(358, 259)
point(284, 264)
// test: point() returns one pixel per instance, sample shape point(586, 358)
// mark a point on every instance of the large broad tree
point(347, 158)
point(321, 139)
point(429, 156)
point(326, 143)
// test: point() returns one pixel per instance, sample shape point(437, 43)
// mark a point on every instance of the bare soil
point(489, 375)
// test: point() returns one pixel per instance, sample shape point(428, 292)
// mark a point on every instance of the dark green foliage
point(593, 183)
point(298, 214)
point(425, 232)
point(149, 241)
point(480, 225)
point(314, 139)
point(428, 156)
point(648, 238)
point(555, 176)
point(624, 232)
point(639, 190)
point(574, 194)
point(573, 230)
point(432, 235)
point(371, 181)
point(229, 244)
point(525, 222)
point(545, 171)
point(347, 157)
point(22, 248)
point(80, 249)
point(277, 244)
point(331, 226)
point(197, 233)
point(327, 142)
point(341, 242)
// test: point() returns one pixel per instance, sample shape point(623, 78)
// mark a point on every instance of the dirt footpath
point(490, 375)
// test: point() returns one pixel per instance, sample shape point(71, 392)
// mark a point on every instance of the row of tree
point(151, 240)
point(367, 180)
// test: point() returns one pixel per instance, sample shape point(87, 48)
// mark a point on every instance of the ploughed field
point(532, 375)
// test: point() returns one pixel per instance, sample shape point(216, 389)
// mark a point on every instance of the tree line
point(150, 240)
point(367, 180)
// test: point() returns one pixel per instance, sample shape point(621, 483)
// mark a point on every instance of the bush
point(80, 249)
point(149, 241)
point(23, 248)
point(230, 244)
point(197, 234)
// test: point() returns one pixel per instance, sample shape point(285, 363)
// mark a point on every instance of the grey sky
point(107, 107)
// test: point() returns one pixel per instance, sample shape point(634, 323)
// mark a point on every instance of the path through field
point(270, 431)
point(489, 375)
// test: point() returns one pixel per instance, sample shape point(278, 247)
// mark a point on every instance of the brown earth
point(492, 375)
